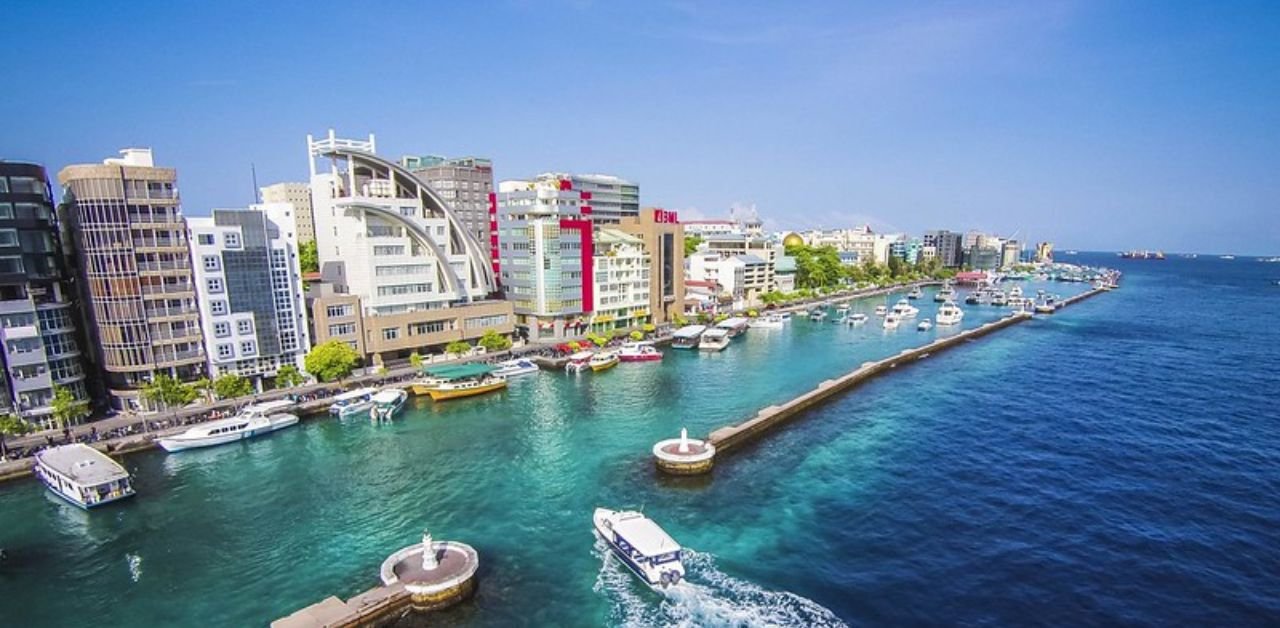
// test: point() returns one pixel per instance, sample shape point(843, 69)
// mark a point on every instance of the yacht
point(352, 402)
point(881, 310)
point(714, 340)
point(950, 314)
point(643, 351)
point(947, 293)
point(903, 309)
point(687, 337)
point(1045, 305)
point(999, 299)
point(646, 549)
point(387, 403)
point(817, 314)
point(515, 368)
point(924, 325)
point(772, 321)
point(973, 298)
point(603, 361)
point(82, 475)
point(785, 316)
point(915, 293)
point(842, 310)
point(254, 420)
point(579, 362)
point(1015, 292)
point(890, 321)
point(857, 318)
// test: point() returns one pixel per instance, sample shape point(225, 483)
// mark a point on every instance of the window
point(388, 250)
point(226, 351)
point(404, 269)
point(8, 237)
point(335, 311)
point(218, 307)
point(214, 284)
point(231, 240)
point(342, 329)
point(6, 209)
point(4, 185)
point(212, 262)
point(205, 239)
point(244, 327)
point(248, 347)
point(221, 329)
point(486, 321)
point(406, 288)
point(11, 264)
point(419, 329)
point(390, 333)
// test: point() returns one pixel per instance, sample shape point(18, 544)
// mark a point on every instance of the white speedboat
point(642, 351)
point(352, 402)
point(947, 293)
point(915, 293)
point(772, 321)
point(857, 318)
point(714, 339)
point(82, 475)
point(950, 314)
point(999, 299)
point(515, 368)
point(1015, 292)
point(818, 314)
point(387, 403)
point(881, 310)
point(579, 362)
point(785, 316)
point(904, 309)
point(646, 549)
point(924, 325)
point(891, 321)
point(255, 420)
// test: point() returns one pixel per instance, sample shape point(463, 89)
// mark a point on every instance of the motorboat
point(857, 318)
point(642, 351)
point(904, 309)
point(352, 402)
point(842, 309)
point(1015, 292)
point(687, 337)
point(915, 293)
point(881, 310)
point(973, 298)
point(82, 475)
point(947, 293)
point(1045, 305)
point(579, 362)
point(387, 403)
point(891, 321)
point(818, 314)
point(771, 321)
point(999, 299)
point(515, 368)
point(785, 316)
point(603, 361)
point(253, 420)
point(644, 547)
point(443, 383)
point(714, 339)
point(949, 314)
point(924, 325)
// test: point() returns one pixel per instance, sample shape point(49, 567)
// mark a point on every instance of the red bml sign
point(665, 217)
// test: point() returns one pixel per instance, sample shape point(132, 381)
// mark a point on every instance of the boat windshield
point(665, 558)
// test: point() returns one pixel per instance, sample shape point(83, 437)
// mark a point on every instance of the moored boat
point(735, 326)
point(714, 339)
point(915, 293)
point(82, 475)
point(352, 402)
point(904, 309)
point(442, 383)
point(891, 321)
point(687, 337)
point(515, 368)
point(881, 310)
point(603, 360)
point(924, 325)
point(818, 314)
point(387, 403)
point(254, 420)
point(945, 294)
point(579, 362)
point(949, 314)
point(771, 321)
point(642, 351)
point(644, 547)
point(857, 318)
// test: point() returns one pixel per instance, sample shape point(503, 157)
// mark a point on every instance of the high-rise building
point(621, 276)
point(463, 183)
point(949, 246)
point(298, 195)
point(1010, 254)
point(1044, 252)
point(612, 198)
point(37, 301)
point(250, 287)
point(663, 238)
point(131, 241)
point(384, 236)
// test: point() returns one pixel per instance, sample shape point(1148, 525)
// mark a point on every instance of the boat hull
point(604, 534)
point(445, 394)
point(605, 365)
point(178, 443)
point(75, 502)
point(643, 357)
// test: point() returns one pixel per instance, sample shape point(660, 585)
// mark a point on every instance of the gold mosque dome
point(792, 240)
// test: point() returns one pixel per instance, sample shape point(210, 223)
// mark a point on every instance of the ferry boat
point(903, 309)
point(891, 321)
point(643, 351)
point(687, 337)
point(714, 339)
point(772, 321)
point(515, 368)
point(735, 326)
point(82, 475)
point(443, 383)
point(644, 547)
point(881, 310)
point(254, 420)
point(387, 403)
point(949, 314)
point(857, 318)
point(352, 402)
point(603, 361)
point(579, 362)
point(924, 325)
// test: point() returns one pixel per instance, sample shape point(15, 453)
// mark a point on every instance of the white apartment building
point(612, 198)
point(860, 241)
point(620, 271)
point(745, 278)
point(296, 194)
point(249, 284)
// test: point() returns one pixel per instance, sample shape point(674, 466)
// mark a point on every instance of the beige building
point(663, 238)
point(135, 268)
point(298, 195)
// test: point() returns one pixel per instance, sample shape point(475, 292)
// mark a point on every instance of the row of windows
point(342, 329)
point(230, 239)
point(226, 351)
point(222, 329)
point(402, 269)
point(495, 320)
point(405, 288)
point(37, 211)
point(336, 311)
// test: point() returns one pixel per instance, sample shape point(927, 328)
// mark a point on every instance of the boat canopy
point(733, 323)
point(458, 371)
point(354, 394)
point(716, 332)
point(581, 355)
point(83, 464)
point(267, 407)
point(390, 395)
point(689, 331)
point(642, 534)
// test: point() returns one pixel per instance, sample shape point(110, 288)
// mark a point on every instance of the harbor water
point(1118, 462)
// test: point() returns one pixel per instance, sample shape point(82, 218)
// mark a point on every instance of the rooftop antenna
point(254, 171)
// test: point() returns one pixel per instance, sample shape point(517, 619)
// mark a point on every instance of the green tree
point(289, 376)
point(67, 410)
point(204, 387)
point(167, 392)
point(691, 243)
point(415, 360)
point(309, 257)
point(457, 348)
point(331, 360)
point(493, 341)
point(230, 386)
point(11, 425)
point(637, 335)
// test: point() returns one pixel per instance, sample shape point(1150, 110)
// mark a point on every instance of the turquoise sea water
point(1116, 462)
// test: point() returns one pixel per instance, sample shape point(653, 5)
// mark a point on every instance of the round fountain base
point(450, 582)
point(699, 457)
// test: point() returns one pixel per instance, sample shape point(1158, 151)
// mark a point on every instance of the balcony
point(176, 288)
point(169, 335)
point(154, 313)
point(183, 266)
point(148, 245)
point(167, 358)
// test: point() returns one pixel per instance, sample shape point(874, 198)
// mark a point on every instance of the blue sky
point(1096, 124)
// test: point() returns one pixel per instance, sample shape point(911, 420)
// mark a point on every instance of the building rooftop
point(613, 236)
point(750, 259)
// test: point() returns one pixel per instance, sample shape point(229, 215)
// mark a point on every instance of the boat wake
point(135, 566)
point(707, 597)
